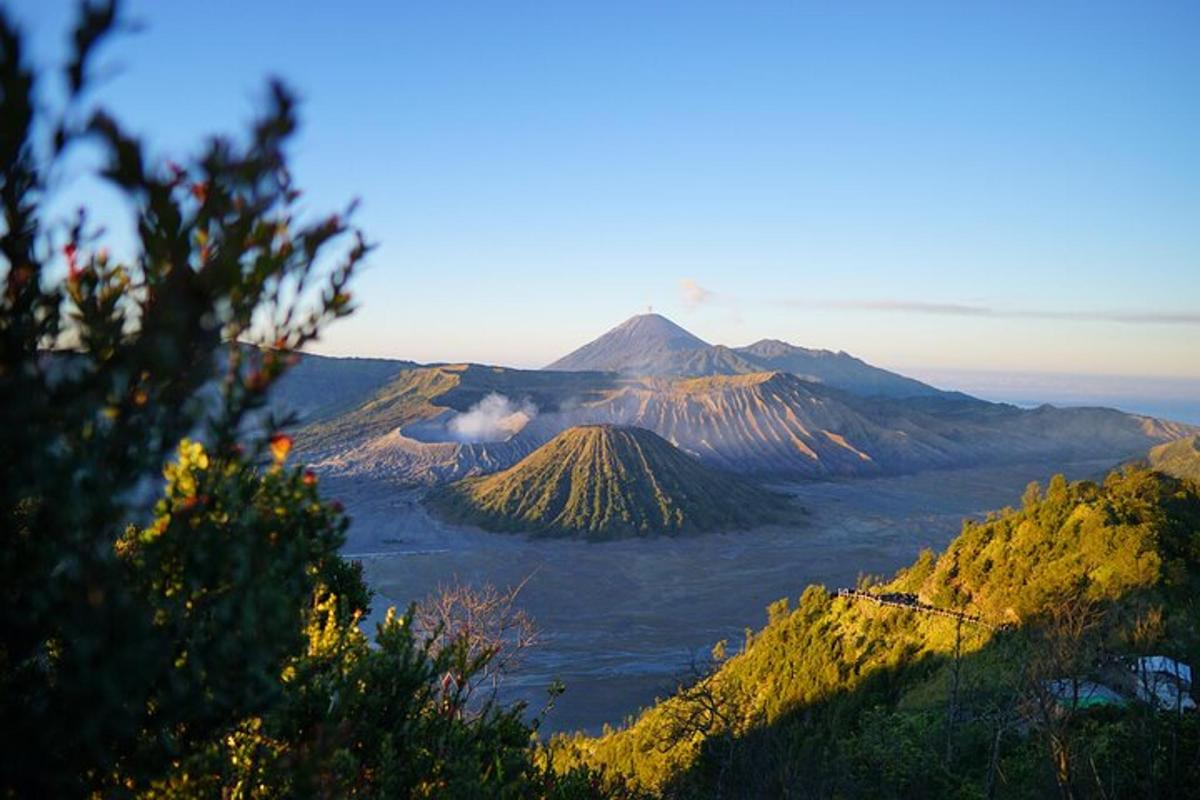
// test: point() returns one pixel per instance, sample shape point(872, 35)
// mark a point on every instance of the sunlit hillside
point(943, 689)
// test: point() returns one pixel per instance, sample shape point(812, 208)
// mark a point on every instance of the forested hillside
point(996, 695)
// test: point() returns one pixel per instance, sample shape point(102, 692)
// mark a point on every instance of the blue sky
point(935, 187)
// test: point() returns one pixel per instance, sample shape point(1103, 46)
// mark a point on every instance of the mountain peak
point(656, 327)
point(838, 369)
point(605, 481)
point(652, 345)
point(639, 345)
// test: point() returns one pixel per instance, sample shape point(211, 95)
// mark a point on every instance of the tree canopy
point(176, 619)
point(838, 696)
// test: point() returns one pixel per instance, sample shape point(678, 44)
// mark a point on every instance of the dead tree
point(482, 626)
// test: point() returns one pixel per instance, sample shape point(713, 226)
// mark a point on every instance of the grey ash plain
point(621, 621)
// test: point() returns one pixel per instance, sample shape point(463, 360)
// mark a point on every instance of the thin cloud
point(693, 294)
point(1136, 317)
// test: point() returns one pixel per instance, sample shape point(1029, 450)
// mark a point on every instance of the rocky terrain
point(765, 424)
point(771, 410)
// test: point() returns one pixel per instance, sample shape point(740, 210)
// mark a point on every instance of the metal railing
point(913, 603)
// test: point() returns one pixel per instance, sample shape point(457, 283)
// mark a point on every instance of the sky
point(950, 189)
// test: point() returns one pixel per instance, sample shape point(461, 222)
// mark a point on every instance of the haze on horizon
point(935, 188)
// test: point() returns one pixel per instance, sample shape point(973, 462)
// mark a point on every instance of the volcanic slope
point(605, 481)
point(839, 370)
point(652, 345)
point(1180, 458)
point(321, 387)
point(763, 423)
point(780, 425)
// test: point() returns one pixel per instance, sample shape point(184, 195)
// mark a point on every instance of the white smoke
point(495, 418)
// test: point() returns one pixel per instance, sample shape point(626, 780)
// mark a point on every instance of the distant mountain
point(765, 423)
point(605, 481)
point(1180, 458)
point(652, 345)
point(839, 370)
point(319, 387)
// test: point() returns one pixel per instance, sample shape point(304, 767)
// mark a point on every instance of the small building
point(1163, 683)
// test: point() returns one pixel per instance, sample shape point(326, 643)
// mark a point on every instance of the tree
point(209, 645)
point(116, 657)
point(485, 630)
point(704, 708)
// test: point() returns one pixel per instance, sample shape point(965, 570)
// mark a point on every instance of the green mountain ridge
point(837, 697)
point(606, 481)
point(319, 387)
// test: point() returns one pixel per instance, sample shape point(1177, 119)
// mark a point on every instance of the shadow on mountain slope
point(839, 697)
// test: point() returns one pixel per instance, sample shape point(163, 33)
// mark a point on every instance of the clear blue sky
point(997, 186)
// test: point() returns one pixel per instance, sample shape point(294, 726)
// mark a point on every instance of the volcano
point(608, 481)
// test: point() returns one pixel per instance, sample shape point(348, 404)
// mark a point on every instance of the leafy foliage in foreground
point(605, 481)
point(207, 644)
point(843, 698)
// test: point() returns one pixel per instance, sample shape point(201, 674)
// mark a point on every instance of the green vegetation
point(198, 636)
point(207, 644)
point(1180, 458)
point(604, 481)
point(843, 698)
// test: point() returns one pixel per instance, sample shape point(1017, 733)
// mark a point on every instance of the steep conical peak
point(648, 344)
point(604, 481)
point(656, 327)
point(647, 331)
point(652, 345)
